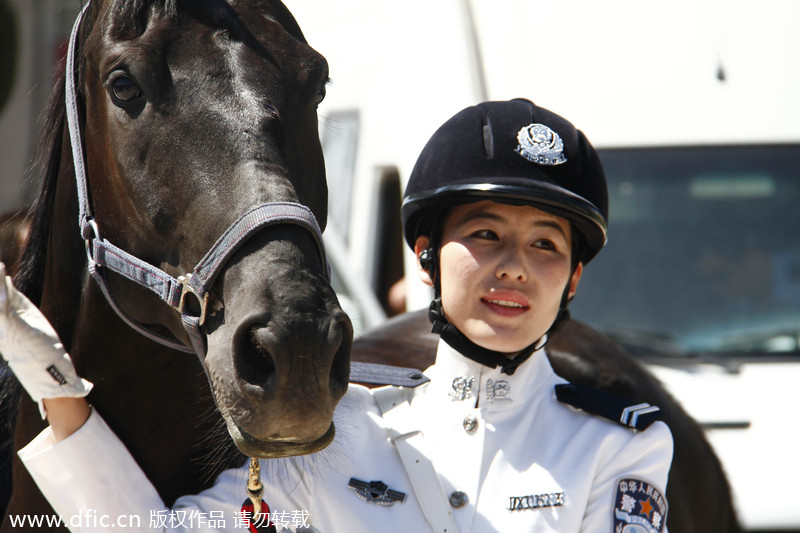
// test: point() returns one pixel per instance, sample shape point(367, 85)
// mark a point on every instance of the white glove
point(32, 348)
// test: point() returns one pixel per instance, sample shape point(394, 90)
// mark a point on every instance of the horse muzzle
point(279, 357)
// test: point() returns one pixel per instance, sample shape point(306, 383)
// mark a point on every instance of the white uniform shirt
point(524, 462)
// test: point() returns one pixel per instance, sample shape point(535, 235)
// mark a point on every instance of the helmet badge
point(539, 144)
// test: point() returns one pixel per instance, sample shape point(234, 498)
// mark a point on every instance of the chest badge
point(535, 501)
point(376, 492)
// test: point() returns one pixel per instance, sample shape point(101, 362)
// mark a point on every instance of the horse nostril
point(255, 365)
point(317, 363)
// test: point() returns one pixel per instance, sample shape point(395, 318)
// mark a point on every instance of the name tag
point(535, 501)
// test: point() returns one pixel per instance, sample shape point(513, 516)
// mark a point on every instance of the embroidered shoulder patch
point(639, 507)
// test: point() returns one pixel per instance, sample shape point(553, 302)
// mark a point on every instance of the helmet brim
point(585, 216)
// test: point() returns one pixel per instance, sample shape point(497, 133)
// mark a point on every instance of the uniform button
point(470, 424)
point(458, 499)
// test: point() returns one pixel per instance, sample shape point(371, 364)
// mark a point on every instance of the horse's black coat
point(187, 445)
point(192, 112)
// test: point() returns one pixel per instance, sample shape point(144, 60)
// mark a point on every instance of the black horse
point(698, 491)
point(191, 112)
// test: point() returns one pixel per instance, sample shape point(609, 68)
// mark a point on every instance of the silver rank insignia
point(541, 145)
point(462, 388)
point(376, 492)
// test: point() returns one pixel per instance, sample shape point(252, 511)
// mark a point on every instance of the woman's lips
point(506, 304)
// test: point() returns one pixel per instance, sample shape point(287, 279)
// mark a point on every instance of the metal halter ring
point(92, 224)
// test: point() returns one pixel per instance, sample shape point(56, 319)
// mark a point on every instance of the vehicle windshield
point(703, 251)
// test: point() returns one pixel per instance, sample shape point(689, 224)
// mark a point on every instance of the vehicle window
point(703, 251)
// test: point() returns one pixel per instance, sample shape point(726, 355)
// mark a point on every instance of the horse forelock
point(288, 22)
point(128, 19)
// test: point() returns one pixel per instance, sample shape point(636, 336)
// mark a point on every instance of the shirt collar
point(464, 382)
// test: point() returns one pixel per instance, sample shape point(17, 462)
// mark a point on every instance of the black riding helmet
point(511, 152)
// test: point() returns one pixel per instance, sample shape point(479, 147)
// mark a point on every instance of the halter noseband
point(102, 253)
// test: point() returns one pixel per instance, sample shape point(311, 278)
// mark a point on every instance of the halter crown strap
point(102, 253)
point(85, 212)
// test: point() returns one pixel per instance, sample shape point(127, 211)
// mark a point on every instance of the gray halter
point(102, 254)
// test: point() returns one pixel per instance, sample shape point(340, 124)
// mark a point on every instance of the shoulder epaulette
point(631, 414)
point(377, 374)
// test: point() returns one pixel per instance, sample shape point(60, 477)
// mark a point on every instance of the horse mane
point(44, 169)
point(29, 279)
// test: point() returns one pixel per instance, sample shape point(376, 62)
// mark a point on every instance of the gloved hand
point(33, 350)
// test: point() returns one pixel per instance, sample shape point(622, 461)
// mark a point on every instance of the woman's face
point(503, 271)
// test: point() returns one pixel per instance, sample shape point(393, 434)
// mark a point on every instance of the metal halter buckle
point(186, 287)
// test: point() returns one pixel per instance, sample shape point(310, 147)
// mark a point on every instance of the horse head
point(193, 113)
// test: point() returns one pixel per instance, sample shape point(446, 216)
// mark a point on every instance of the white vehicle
point(694, 108)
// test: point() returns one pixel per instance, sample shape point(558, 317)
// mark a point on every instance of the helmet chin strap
point(490, 358)
point(455, 338)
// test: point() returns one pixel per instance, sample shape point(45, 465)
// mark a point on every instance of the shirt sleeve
point(94, 484)
point(630, 486)
point(90, 473)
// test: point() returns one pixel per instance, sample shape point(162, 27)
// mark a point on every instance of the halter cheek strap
point(102, 254)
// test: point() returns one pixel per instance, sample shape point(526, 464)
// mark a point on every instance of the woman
point(506, 205)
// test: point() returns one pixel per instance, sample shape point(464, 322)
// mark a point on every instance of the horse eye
point(125, 89)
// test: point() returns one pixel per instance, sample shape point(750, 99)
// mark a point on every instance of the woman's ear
point(573, 282)
point(421, 247)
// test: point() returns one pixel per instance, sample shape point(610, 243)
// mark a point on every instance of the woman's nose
point(512, 265)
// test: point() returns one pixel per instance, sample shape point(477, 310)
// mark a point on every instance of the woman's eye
point(485, 234)
point(545, 244)
point(125, 90)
